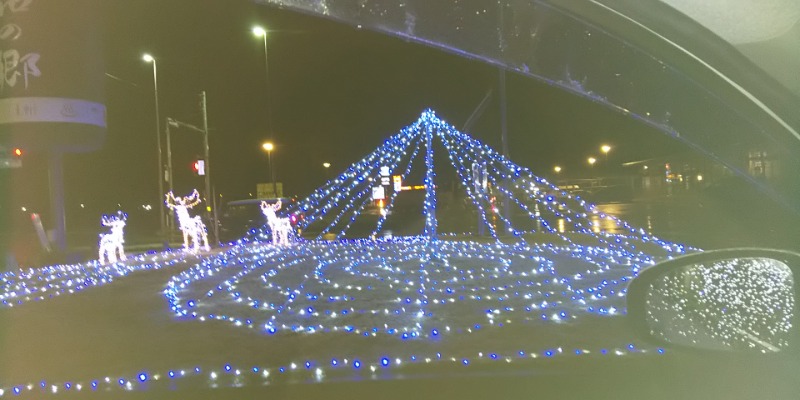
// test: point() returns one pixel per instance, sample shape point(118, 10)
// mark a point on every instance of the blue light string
point(403, 177)
point(429, 209)
point(463, 171)
point(465, 183)
point(392, 169)
point(366, 195)
point(312, 202)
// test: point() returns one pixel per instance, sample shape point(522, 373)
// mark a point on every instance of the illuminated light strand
point(350, 254)
point(356, 174)
point(462, 147)
point(229, 374)
point(497, 158)
point(390, 203)
point(521, 205)
point(315, 198)
point(365, 194)
point(476, 198)
point(515, 198)
point(39, 284)
point(367, 197)
point(429, 206)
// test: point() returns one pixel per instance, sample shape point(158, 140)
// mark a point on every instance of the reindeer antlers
point(108, 220)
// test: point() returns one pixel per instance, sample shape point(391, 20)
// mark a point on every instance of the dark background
point(336, 93)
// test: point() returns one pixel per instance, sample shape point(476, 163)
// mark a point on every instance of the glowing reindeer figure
point(111, 243)
point(192, 227)
point(280, 226)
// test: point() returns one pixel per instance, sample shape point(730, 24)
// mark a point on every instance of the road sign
point(267, 191)
point(378, 193)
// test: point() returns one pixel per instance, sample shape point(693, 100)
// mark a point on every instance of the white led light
point(111, 243)
point(281, 227)
point(192, 227)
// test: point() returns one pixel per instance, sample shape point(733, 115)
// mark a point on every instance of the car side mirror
point(740, 300)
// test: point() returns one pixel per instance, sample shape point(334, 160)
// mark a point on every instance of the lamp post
point(327, 167)
point(591, 161)
point(148, 58)
point(268, 146)
point(262, 33)
point(605, 149)
point(557, 169)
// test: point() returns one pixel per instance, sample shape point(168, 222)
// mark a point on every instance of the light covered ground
point(316, 311)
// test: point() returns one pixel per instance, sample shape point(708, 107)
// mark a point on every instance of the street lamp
point(259, 31)
point(605, 149)
point(557, 169)
point(327, 167)
point(148, 58)
point(262, 33)
point(268, 147)
point(591, 161)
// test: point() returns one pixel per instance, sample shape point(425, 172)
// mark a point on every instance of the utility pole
point(168, 177)
point(209, 195)
point(210, 201)
point(503, 111)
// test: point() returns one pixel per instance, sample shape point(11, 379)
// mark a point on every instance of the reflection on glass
point(735, 304)
point(554, 43)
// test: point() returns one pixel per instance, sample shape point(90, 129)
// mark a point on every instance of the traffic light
point(199, 167)
point(10, 158)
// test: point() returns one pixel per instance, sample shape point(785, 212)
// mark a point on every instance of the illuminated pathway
point(320, 310)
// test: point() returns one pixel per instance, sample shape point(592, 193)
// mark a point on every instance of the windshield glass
point(244, 194)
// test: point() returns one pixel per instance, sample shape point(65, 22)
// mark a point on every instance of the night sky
point(336, 93)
